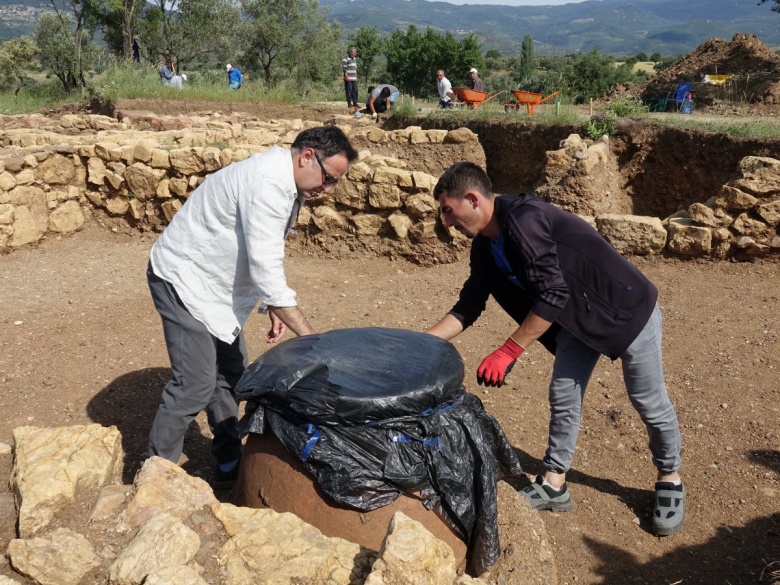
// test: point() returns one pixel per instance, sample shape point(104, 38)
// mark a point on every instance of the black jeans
point(351, 89)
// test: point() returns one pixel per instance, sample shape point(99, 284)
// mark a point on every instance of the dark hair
point(462, 177)
point(371, 88)
point(326, 140)
point(385, 92)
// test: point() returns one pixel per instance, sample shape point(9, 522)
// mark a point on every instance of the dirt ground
point(81, 342)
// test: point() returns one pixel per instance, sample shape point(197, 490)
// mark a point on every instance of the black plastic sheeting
point(375, 412)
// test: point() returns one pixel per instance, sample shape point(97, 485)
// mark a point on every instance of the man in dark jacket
point(567, 287)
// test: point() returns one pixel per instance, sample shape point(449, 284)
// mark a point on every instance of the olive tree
point(16, 56)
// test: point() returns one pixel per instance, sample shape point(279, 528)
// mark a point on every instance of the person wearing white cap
point(235, 79)
point(476, 82)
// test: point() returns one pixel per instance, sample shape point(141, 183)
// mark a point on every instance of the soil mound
point(753, 81)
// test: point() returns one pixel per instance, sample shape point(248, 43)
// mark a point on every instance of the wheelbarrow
point(529, 99)
point(473, 98)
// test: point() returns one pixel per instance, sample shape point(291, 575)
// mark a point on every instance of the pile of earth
point(754, 88)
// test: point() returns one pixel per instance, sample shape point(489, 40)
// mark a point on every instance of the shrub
point(602, 124)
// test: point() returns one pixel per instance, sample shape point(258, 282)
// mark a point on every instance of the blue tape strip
point(315, 433)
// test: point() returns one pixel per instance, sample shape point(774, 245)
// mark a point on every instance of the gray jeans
point(204, 372)
point(643, 375)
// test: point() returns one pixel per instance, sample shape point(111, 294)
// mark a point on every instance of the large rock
point(52, 465)
point(67, 218)
point(632, 234)
point(271, 476)
point(61, 557)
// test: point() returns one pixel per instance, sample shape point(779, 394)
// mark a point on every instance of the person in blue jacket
point(568, 288)
point(235, 79)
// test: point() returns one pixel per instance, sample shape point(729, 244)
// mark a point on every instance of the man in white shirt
point(445, 90)
point(221, 254)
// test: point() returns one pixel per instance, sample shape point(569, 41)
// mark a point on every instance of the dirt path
point(80, 342)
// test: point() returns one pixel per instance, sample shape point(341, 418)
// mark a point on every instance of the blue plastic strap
point(442, 407)
point(315, 433)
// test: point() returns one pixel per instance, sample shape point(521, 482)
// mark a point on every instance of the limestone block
point(95, 198)
point(328, 219)
point(278, 549)
point(418, 137)
point(160, 159)
point(225, 157)
point(703, 215)
point(162, 540)
point(7, 518)
point(360, 171)
point(96, 171)
point(31, 161)
point(744, 225)
point(178, 186)
point(364, 155)
point(751, 248)
point(86, 150)
point(734, 199)
point(108, 151)
point(260, 137)
point(350, 194)
point(384, 196)
point(687, 239)
point(56, 170)
point(142, 152)
point(6, 214)
point(632, 234)
point(170, 208)
point(174, 575)
point(399, 136)
point(31, 215)
point(600, 150)
point(211, 159)
point(423, 230)
point(460, 136)
point(240, 154)
point(376, 135)
point(114, 180)
point(14, 164)
point(117, 205)
point(110, 499)
point(194, 181)
point(304, 216)
point(367, 224)
point(163, 190)
point(573, 143)
point(588, 163)
point(127, 154)
point(66, 218)
point(136, 209)
point(770, 212)
point(436, 136)
point(411, 554)
point(162, 486)
point(7, 181)
point(760, 176)
point(400, 225)
point(187, 161)
point(142, 180)
point(61, 557)
point(51, 465)
point(423, 181)
point(25, 177)
point(420, 206)
point(393, 176)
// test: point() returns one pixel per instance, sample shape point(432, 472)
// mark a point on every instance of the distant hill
point(614, 27)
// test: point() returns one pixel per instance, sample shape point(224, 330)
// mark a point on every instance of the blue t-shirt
point(497, 248)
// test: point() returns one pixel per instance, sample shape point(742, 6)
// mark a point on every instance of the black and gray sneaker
point(669, 508)
point(225, 480)
point(545, 497)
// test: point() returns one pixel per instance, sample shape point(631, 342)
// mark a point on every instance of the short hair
point(462, 177)
point(385, 92)
point(371, 88)
point(326, 140)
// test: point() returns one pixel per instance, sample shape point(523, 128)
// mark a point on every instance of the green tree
point(54, 36)
point(189, 30)
point(16, 56)
point(493, 54)
point(775, 8)
point(655, 57)
point(414, 58)
point(369, 46)
point(525, 67)
point(291, 34)
point(79, 20)
point(641, 57)
point(118, 21)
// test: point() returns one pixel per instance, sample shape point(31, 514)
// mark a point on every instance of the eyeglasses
point(326, 178)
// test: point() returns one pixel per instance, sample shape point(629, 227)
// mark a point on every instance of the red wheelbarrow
point(531, 100)
point(473, 98)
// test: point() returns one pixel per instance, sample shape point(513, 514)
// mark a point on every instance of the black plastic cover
point(376, 412)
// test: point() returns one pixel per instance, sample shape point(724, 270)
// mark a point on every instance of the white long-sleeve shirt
point(224, 249)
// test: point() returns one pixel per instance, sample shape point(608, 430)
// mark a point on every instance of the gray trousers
point(205, 370)
point(643, 375)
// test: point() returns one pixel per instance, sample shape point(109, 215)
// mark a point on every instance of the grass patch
point(758, 128)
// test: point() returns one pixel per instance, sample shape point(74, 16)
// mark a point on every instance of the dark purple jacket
point(570, 275)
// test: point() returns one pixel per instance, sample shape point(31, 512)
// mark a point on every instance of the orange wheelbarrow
point(529, 99)
point(473, 98)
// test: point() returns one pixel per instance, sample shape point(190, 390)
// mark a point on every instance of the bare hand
point(277, 330)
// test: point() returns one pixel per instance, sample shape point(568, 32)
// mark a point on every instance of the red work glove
point(495, 367)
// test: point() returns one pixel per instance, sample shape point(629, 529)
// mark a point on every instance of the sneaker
point(225, 480)
point(546, 497)
point(669, 508)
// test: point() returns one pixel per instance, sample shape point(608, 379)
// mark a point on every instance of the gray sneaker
point(669, 508)
point(544, 497)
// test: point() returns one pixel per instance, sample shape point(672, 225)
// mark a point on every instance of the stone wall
point(138, 169)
